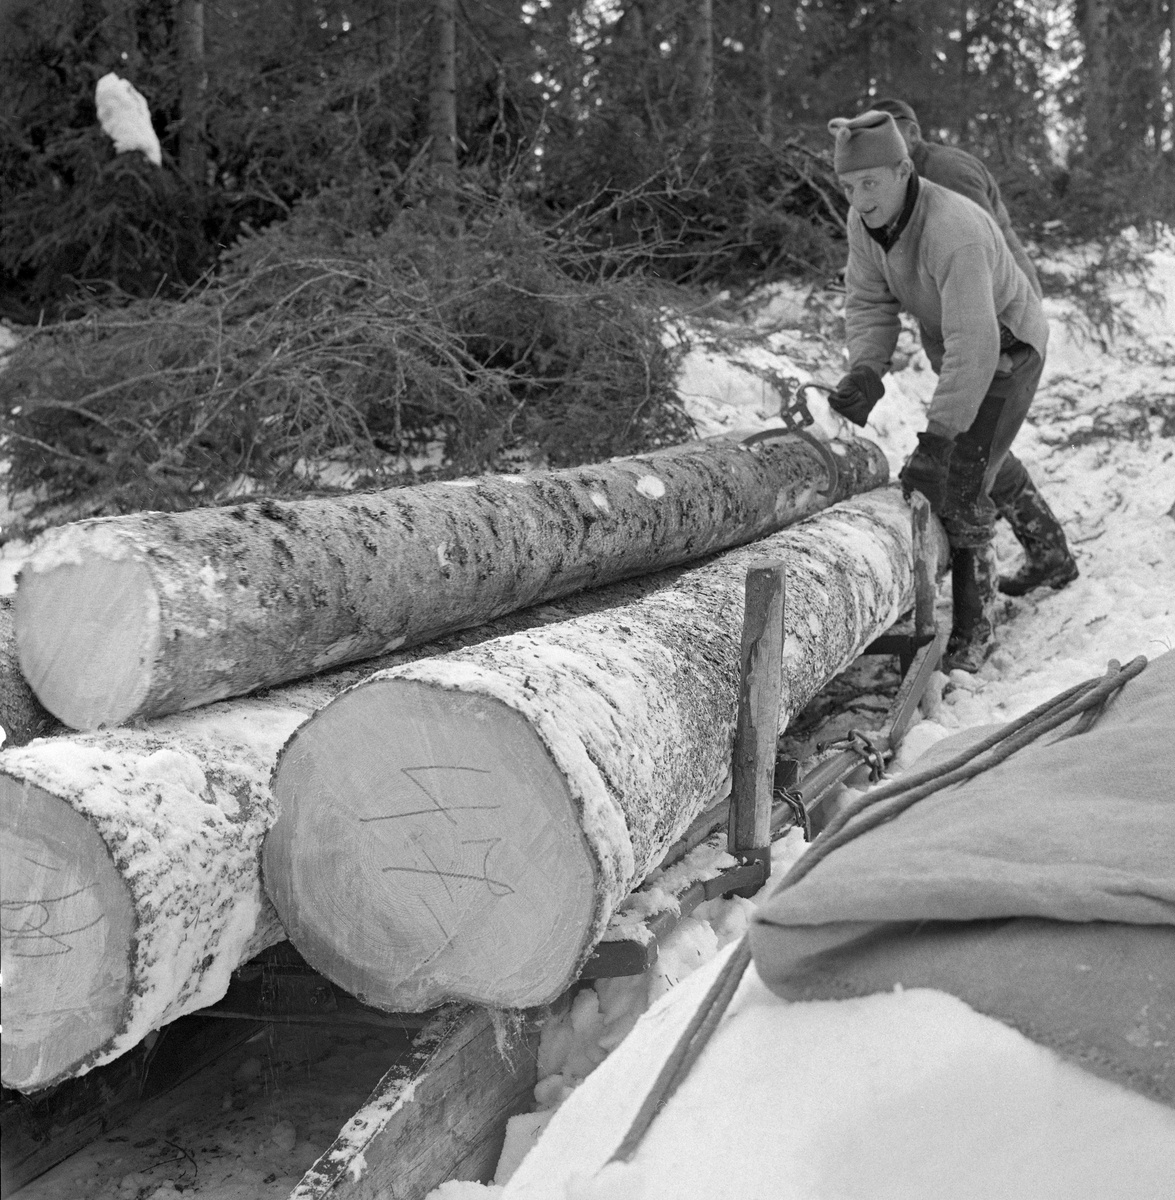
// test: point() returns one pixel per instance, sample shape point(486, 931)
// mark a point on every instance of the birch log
point(464, 826)
point(145, 615)
point(129, 878)
point(22, 717)
point(130, 865)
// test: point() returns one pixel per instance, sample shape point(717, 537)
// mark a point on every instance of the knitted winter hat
point(870, 140)
point(898, 109)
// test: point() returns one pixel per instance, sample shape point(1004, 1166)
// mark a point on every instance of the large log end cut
point(68, 922)
point(88, 628)
point(445, 811)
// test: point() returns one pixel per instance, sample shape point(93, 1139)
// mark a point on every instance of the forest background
point(427, 237)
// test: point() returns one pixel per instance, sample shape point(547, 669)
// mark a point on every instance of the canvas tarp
point(1041, 892)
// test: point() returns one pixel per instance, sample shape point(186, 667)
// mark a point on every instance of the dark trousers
point(984, 475)
point(1000, 416)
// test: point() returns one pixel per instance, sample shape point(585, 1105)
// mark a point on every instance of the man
point(917, 246)
point(1047, 560)
point(961, 172)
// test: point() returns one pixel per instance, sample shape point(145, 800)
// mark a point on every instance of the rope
point(1085, 700)
point(689, 1046)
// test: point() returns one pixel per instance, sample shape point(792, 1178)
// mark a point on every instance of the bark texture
point(22, 716)
point(145, 615)
point(598, 738)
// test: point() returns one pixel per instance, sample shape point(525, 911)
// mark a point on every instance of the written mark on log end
point(496, 887)
point(31, 926)
point(437, 807)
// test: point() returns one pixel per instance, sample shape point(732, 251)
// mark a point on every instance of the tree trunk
point(21, 716)
point(763, 13)
point(464, 827)
point(143, 615)
point(121, 36)
point(130, 867)
point(1171, 72)
point(442, 97)
point(703, 65)
point(1097, 80)
point(193, 88)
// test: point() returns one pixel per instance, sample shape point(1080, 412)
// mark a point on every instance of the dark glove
point(856, 394)
point(926, 469)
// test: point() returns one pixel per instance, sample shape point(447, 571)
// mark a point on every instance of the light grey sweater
point(950, 167)
point(952, 270)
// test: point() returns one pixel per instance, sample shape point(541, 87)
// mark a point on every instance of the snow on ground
point(899, 1095)
point(907, 1095)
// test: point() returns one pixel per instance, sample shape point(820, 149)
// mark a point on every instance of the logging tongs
point(794, 413)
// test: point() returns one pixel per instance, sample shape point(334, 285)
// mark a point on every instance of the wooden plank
point(436, 1115)
point(926, 661)
point(748, 834)
point(925, 564)
point(41, 1130)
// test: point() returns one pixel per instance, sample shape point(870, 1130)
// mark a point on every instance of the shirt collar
point(887, 236)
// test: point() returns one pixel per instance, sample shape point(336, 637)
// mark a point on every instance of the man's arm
point(1014, 243)
point(971, 340)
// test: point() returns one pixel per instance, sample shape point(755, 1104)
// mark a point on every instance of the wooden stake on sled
point(920, 656)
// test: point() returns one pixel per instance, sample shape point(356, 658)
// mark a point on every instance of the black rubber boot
point(973, 587)
point(1047, 560)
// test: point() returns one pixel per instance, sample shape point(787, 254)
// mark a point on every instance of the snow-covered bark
point(130, 880)
point(464, 826)
point(21, 716)
point(144, 615)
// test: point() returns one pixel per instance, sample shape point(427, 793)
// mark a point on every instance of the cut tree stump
point(144, 615)
point(464, 826)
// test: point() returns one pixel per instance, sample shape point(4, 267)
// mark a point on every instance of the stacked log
point(135, 617)
point(130, 857)
point(130, 872)
point(463, 827)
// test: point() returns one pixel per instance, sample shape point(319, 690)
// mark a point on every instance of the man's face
point(910, 132)
point(877, 193)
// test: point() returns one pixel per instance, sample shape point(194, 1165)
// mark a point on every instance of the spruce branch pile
point(436, 345)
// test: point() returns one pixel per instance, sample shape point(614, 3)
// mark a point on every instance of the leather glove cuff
point(856, 394)
point(869, 383)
